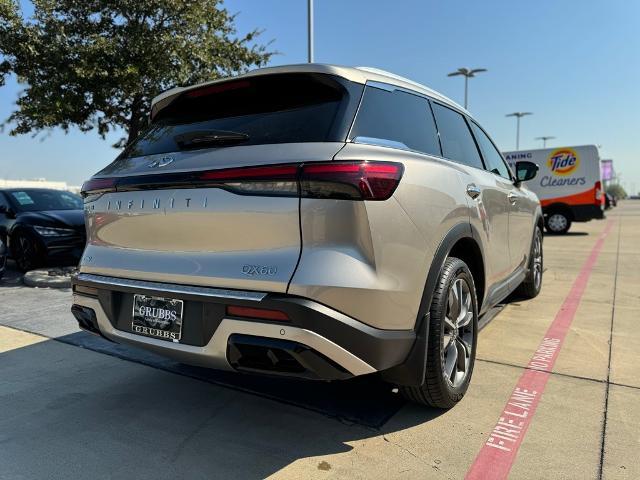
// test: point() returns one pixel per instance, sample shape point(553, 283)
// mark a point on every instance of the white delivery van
point(568, 184)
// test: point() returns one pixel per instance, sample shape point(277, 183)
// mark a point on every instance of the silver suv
point(313, 221)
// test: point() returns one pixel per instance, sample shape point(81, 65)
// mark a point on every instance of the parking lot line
point(501, 447)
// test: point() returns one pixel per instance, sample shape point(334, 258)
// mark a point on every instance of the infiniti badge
point(161, 162)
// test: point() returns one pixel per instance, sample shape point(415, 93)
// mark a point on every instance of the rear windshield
point(43, 200)
point(283, 108)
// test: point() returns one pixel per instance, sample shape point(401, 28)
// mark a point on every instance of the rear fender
point(412, 371)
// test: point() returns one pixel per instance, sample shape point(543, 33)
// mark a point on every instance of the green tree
point(617, 191)
point(96, 64)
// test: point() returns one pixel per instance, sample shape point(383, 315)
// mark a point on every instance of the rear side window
point(457, 143)
point(278, 108)
point(492, 158)
point(398, 117)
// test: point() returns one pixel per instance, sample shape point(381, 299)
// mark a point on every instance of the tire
point(26, 252)
point(449, 339)
point(532, 284)
point(558, 223)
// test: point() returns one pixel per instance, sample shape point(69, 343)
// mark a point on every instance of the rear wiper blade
point(202, 138)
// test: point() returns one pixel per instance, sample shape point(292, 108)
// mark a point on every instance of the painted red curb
point(495, 459)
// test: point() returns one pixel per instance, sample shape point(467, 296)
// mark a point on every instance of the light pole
point(467, 73)
point(518, 115)
point(544, 140)
point(310, 31)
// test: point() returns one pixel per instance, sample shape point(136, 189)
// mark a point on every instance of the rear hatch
point(209, 193)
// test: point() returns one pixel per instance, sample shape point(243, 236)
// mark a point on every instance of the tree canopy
point(96, 64)
point(617, 191)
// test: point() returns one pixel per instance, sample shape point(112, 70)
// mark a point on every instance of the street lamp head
point(476, 70)
point(518, 114)
point(467, 72)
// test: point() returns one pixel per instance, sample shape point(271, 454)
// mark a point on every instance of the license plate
point(157, 317)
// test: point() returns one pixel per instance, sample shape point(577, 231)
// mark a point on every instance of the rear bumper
point(318, 342)
point(580, 213)
point(584, 213)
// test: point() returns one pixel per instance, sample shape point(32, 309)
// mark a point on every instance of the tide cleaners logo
point(563, 161)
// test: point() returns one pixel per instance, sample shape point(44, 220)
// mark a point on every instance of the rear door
point(521, 208)
point(487, 192)
point(206, 195)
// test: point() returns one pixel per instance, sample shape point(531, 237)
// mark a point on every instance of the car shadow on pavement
point(12, 277)
point(568, 234)
point(69, 413)
point(367, 401)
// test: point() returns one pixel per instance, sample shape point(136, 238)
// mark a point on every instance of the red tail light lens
point(262, 313)
point(351, 180)
point(275, 180)
point(599, 197)
point(98, 185)
point(339, 180)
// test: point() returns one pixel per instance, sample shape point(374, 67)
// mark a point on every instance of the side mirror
point(3, 209)
point(525, 171)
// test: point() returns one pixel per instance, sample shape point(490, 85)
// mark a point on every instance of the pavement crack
point(608, 382)
point(404, 449)
point(559, 374)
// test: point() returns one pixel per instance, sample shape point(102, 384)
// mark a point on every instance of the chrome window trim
point(382, 142)
point(144, 285)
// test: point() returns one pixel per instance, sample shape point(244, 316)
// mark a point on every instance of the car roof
point(32, 189)
point(355, 74)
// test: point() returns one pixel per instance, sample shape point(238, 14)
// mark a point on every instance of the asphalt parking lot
point(555, 393)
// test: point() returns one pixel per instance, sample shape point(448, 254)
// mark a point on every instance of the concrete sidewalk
point(70, 412)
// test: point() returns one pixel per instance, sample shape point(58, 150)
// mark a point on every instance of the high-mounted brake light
point(217, 88)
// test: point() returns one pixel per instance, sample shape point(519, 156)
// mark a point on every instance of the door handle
point(513, 198)
point(473, 191)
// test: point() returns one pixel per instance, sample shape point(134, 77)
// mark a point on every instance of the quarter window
point(492, 158)
point(396, 117)
point(455, 137)
point(3, 201)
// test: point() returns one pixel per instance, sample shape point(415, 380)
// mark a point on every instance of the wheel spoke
point(451, 361)
point(466, 319)
point(454, 301)
point(465, 307)
point(461, 356)
point(449, 323)
point(466, 345)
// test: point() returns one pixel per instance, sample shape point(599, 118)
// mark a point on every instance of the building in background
point(38, 183)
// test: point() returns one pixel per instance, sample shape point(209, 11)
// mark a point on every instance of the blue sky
point(573, 63)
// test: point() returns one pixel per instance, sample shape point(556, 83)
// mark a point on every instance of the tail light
point(599, 198)
point(98, 185)
point(352, 181)
point(262, 313)
point(359, 180)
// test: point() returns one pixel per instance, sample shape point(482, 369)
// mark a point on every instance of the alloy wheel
point(537, 261)
point(24, 252)
point(557, 222)
point(457, 338)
